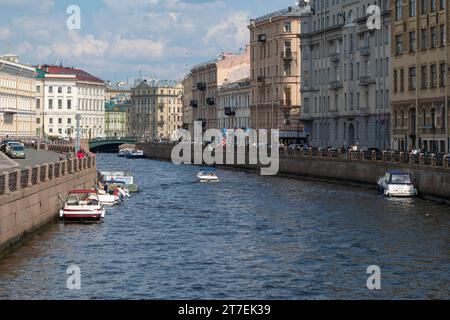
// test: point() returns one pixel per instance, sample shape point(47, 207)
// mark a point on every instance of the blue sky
point(120, 38)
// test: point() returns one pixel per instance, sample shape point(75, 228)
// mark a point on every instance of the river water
point(247, 237)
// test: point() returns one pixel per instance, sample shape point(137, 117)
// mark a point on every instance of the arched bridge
point(110, 144)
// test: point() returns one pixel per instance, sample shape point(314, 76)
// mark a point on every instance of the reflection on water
point(246, 237)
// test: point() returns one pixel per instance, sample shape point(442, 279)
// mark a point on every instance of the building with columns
point(345, 83)
point(419, 69)
point(17, 98)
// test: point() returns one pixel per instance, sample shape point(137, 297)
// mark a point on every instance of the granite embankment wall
point(31, 198)
point(431, 175)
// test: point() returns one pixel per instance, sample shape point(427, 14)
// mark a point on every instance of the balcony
point(366, 81)
point(285, 103)
point(193, 103)
point(230, 112)
point(261, 79)
point(201, 86)
point(335, 57)
point(287, 55)
point(262, 38)
point(335, 85)
point(309, 89)
point(210, 101)
point(364, 51)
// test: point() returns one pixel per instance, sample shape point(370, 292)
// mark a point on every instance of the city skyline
point(121, 48)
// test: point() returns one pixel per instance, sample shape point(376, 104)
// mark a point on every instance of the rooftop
point(80, 75)
point(294, 11)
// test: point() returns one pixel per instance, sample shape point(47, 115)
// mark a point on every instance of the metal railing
point(24, 178)
point(394, 157)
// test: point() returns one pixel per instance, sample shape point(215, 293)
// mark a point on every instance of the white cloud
point(232, 31)
point(5, 33)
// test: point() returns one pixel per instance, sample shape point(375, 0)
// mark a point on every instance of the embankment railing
point(28, 177)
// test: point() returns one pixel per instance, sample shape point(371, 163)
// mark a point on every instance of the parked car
point(10, 144)
point(17, 151)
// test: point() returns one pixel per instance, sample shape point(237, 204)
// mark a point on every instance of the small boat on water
point(396, 183)
point(121, 179)
point(207, 175)
point(108, 199)
point(123, 153)
point(135, 154)
point(83, 206)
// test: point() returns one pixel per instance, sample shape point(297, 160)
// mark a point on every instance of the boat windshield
point(401, 179)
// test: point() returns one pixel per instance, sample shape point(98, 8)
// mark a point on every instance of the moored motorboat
point(396, 183)
point(123, 153)
point(207, 175)
point(82, 206)
point(108, 199)
point(121, 179)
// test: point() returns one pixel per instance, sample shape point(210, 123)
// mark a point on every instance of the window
point(424, 41)
point(412, 78)
point(442, 35)
point(442, 74)
point(433, 76)
point(412, 41)
point(424, 77)
point(50, 121)
point(38, 120)
point(60, 104)
point(69, 121)
point(398, 10)
point(412, 8)
point(59, 89)
point(423, 6)
point(441, 4)
point(395, 81)
point(398, 44)
point(38, 103)
point(50, 104)
point(402, 79)
point(38, 89)
point(287, 27)
point(433, 37)
point(59, 120)
point(69, 104)
point(433, 5)
point(50, 89)
point(69, 90)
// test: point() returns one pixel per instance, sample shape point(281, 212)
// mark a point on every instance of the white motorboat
point(207, 176)
point(397, 183)
point(82, 206)
point(108, 199)
point(122, 179)
point(135, 154)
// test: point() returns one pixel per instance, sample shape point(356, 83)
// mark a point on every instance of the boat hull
point(82, 216)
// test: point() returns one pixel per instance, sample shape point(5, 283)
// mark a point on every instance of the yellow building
point(17, 99)
point(156, 110)
point(275, 71)
point(419, 69)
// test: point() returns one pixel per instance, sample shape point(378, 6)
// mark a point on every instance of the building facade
point(116, 119)
point(420, 57)
point(118, 92)
point(17, 98)
point(62, 93)
point(204, 81)
point(275, 72)
point(157, 109)
point(234, 105)
point(345, 74)
point(188, 98)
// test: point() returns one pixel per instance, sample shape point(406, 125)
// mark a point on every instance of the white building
point(17, 98)
point(64, 92)
point(345, 77)
point(234, 105)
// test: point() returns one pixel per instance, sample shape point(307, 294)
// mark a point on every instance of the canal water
point(247, 237)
